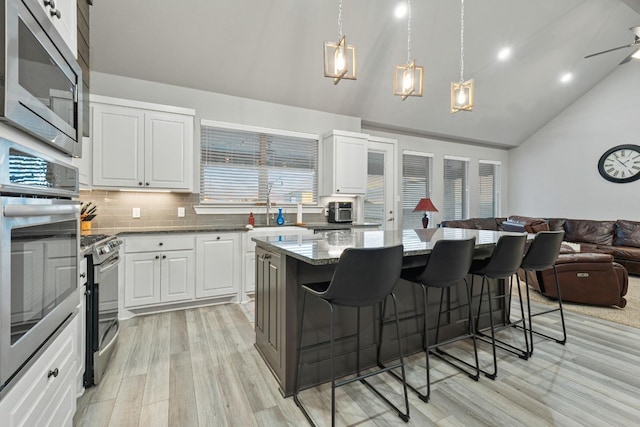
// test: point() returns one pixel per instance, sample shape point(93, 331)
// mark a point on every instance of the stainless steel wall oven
point(40, 79)
point(40, 229)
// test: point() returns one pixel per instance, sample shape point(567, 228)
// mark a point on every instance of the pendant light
point(408, 78)
point(339, 58)
point(462, 92)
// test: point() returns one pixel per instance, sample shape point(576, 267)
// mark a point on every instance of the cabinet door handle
point(83, 275)
point(218, 238)
point(53, 373)
point(160, 244)
point(50, 3)
point(146, 183)
point(164, 257)
point(55, 13)
point(139, 182)
point(157, 256)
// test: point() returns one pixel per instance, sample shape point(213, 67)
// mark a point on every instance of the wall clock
point(620, 164)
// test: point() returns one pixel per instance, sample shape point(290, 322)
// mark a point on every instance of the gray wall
point(225, 108)
point(554, 173)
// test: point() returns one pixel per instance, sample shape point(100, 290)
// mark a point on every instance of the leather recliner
point(587, 278)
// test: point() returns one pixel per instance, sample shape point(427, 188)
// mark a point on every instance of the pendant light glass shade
point(462, 96)
point(339, 60)
point(462, 92)
point(408, 80)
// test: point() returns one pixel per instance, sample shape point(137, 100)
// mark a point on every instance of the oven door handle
point(112, 264)
point(40, 210)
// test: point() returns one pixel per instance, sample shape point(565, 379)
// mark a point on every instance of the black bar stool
point(447, 265)
point(502, 264)
point(542, 254)
point(363, 277)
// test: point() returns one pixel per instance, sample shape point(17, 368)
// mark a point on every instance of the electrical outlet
point(136, 213)
point(181, 212)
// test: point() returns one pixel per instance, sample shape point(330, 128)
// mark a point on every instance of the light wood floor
point(198, 367)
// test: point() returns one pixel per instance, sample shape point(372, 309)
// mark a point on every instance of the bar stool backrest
point(506, 257)
point(448, 263)
point(365, 276)
point(543, 251)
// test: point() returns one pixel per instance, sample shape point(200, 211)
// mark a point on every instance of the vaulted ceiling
point(271, 50)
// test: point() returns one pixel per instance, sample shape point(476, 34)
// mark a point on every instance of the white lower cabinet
point(218, 261)
point(158, 270)
point(46, 394)
point(174, 268)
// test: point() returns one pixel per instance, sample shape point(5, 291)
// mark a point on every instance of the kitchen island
point(283, 264)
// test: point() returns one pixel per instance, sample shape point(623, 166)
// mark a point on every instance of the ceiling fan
point(636, 42)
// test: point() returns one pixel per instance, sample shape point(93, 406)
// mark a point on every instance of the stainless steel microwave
point(40, 79)
point(340, 212)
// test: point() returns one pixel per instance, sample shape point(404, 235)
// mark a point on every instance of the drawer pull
point(53, 373)
point(83, 275)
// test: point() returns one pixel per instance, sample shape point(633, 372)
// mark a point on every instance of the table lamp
point(425, 205)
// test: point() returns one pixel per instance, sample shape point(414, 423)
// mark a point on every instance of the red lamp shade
point(425, 205)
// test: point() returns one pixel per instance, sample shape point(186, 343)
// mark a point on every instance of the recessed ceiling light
point(504, 53)
point(400, 10)
point(566, 77)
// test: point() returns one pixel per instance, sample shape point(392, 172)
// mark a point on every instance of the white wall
point(554, 173)
point(441, 148)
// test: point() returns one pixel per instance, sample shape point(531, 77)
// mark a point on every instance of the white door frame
point(389, 147)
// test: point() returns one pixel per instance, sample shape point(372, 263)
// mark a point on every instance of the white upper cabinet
point(63, 15)
point(344, 164)
point(140, 145)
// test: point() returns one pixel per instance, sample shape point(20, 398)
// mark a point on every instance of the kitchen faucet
point(269, 187)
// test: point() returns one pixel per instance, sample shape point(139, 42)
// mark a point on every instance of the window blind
point(416, 184)
point(455, 189)
point(374, 201)
point(242, 166)
point(489, 190)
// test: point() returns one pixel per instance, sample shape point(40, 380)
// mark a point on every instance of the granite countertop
point(339, 226)
point(221, 228)
point(326, 247)
point(161, 230)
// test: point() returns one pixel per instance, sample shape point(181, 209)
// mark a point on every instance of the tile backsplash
point(160, 210)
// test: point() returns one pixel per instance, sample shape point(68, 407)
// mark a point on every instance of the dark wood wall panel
point(84, 59)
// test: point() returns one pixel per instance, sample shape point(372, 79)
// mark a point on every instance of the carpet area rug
point(630, 315)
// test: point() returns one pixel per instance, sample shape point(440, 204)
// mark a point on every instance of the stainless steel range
point(103, 259)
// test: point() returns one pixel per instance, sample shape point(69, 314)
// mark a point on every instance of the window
point(239, 164)
point(374, 201)
point(456, 170)
point(416, 184)
point(489, 191)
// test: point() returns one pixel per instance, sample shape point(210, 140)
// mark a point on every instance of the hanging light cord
point(339, 19)
point(461, 41)
point(409, 33)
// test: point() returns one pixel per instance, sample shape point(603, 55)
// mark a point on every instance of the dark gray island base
point(285, 263)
